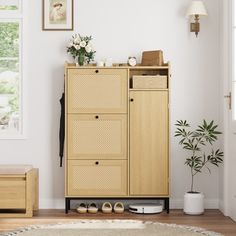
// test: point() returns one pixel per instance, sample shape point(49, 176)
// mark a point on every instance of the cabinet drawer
point(12, 193)
point(97, 90)
point(148, 81)
point(97, 178)
point(97, 136)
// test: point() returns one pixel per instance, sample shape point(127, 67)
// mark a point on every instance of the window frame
point(17, 16)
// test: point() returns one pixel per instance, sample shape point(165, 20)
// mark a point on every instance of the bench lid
point(14, 169)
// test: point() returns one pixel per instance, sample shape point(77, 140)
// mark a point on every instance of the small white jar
point(100, 63)
point(108, 62)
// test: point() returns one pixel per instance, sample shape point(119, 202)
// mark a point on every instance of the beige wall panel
point(149, 143)
point(97, 137)
point(103, 92)
point(97, 178)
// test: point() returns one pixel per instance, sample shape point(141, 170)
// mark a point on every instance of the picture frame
point(58, 15)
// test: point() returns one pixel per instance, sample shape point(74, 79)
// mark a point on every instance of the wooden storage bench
point(18, 190)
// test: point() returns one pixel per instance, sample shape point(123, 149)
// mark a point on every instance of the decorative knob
point(131, 99)
point(96, 71)
point(97, 163)
point(96, 117)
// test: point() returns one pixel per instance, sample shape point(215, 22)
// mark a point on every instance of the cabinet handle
point(96, 71)
point(96, 117)
point(131, 99)
point(97, 163)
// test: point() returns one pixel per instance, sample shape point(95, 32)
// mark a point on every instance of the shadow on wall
point(57, 172)
point(182, 14)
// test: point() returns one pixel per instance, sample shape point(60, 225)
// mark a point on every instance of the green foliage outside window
point(9, 69)
point(8, 8)
point(9, 35)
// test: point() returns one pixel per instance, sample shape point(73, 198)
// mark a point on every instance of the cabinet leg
point(67, 205)
point(167, 205)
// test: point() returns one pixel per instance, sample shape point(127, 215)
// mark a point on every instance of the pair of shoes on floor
point(91, 208)
point(118, 207)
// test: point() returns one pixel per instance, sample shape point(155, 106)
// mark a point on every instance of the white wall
point(120, 29)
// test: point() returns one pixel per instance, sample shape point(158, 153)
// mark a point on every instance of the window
point(10, 69)
point(9, 5)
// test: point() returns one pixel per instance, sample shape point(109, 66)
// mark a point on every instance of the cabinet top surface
point(115, 66)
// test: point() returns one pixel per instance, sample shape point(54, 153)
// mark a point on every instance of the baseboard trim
point(209, 203)
point(52, 203)
point(222, 207)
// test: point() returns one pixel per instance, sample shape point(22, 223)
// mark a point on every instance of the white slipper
point(106, 207)
point(82, 208)
point(92, 208)
point(119, 207)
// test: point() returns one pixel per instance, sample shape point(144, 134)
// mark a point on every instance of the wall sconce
point(196, 9)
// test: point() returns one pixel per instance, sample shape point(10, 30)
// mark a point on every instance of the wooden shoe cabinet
point(117, 136)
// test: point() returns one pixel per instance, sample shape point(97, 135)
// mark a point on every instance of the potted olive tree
point(197, 143)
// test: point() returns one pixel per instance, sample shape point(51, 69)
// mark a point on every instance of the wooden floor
point(211, 220)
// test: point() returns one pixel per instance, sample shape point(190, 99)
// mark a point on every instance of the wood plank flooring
point(211, 220)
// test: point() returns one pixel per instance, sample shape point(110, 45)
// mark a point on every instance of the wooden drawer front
point(12, 193)
point(97, 178)
point(105, 91)
point(97, 137)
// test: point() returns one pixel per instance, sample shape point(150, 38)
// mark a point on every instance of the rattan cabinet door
point(97, 90)
point(97, 178)
point(97, 136)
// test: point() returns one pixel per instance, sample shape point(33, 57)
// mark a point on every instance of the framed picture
point(58, 15)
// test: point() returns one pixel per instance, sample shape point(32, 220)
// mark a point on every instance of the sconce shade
point(197, 8)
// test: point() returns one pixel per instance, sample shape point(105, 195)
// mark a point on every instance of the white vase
point(193, 203)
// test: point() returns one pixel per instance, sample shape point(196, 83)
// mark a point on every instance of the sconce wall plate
point(195, 27)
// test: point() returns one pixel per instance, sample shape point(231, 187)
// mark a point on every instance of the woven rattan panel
point(98, 177)
point(104, 92)
point(104, 137)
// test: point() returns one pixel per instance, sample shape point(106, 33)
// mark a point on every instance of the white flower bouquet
point(81, 49)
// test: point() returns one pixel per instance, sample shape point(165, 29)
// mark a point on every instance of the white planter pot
point(194, 203)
